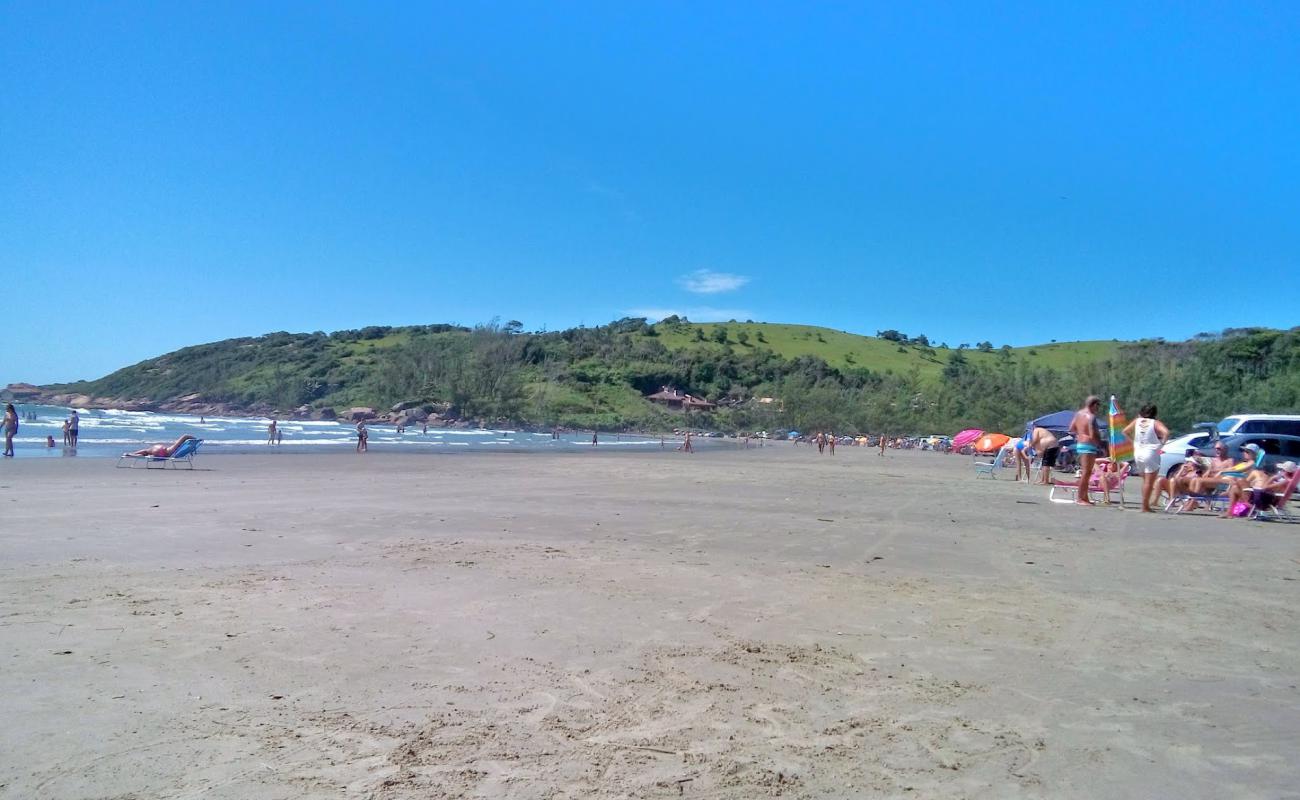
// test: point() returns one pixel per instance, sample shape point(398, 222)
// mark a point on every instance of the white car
point(1286, 424)
point(1173, 453)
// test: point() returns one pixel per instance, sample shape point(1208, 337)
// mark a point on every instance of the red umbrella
point(966, 437)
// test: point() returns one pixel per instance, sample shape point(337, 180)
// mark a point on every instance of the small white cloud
point(694, 314)
point(706, 281)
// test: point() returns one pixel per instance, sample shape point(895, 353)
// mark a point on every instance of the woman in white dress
point(1148, 435)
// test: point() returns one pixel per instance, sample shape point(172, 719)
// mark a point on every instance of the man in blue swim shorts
point(1087, 444)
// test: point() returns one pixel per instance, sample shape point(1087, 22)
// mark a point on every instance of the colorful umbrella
point(991, 442)
point(966, 437)
point(1121, 447)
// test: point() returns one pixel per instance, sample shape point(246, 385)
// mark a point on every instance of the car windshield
point(1225, 426)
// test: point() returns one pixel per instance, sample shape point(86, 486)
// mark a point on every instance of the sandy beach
point(735, 624)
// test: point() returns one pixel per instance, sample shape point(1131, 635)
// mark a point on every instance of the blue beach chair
point(183, 455)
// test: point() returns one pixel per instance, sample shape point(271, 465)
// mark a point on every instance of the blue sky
point(174, 173)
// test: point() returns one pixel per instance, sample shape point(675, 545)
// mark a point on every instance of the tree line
point(597, 377)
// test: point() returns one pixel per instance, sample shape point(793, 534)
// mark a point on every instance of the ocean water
point(110, 433)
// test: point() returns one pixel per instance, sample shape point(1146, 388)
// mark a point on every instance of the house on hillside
point(679, 401)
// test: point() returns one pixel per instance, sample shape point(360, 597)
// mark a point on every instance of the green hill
point(844, 350)
point(815, 377)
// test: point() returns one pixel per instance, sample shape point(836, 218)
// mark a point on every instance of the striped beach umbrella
point(1121, 447)
point(965, 437)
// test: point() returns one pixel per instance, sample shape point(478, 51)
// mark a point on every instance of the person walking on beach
point(10, 429)
point(830, 442)
point(279, 436)
point(594, 440)
point(883, 441)
point(1087, 444)
point(1148, 435)
point(74, 423)
point(270, 432)
point(362, 436)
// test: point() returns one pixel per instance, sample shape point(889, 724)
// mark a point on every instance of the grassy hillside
point(598, 377)
point(845, 350)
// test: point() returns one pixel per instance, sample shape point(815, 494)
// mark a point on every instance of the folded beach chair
point(183, 455)
point(1104, 481)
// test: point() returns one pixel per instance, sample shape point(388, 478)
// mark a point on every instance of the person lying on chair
point(162, 450)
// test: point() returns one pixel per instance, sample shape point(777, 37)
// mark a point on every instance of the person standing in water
point(1087, 444)
point(1148, 435)
point(270, 432)
point(74, 424)
point(362, 436)
point(594, 440)
point(10, 429)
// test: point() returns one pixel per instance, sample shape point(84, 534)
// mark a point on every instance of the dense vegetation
point(817, 378)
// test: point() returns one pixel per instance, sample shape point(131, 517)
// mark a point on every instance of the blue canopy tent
point(1058, 423)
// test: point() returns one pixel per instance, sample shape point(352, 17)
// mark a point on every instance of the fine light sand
point(734, 624)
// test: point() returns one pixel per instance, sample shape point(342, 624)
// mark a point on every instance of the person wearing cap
point(1222, 470)
point(1260, 489)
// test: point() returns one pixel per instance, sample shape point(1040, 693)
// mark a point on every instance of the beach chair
point(990, 468)
point(1278, 511)
point(1214, 501)
point(183, 455)
point(1105, 481)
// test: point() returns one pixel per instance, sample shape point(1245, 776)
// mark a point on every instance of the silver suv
point(1277, 447)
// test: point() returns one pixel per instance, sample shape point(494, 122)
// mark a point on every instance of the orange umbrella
point(991, 442)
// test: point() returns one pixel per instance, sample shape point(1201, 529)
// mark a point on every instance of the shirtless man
point(1045, 442)
point(270, 432)
point(1087, 444)
point(883, 442)
point(1259, 488)
point(1222, 468)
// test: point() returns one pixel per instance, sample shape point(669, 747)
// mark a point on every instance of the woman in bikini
point(162, 450)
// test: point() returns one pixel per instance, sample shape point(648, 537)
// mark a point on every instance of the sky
point(175, 173)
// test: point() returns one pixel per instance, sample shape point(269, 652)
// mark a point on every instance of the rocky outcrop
point(357, 413)
point(21, 392)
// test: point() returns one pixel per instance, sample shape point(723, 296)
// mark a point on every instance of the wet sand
point(729, 625)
